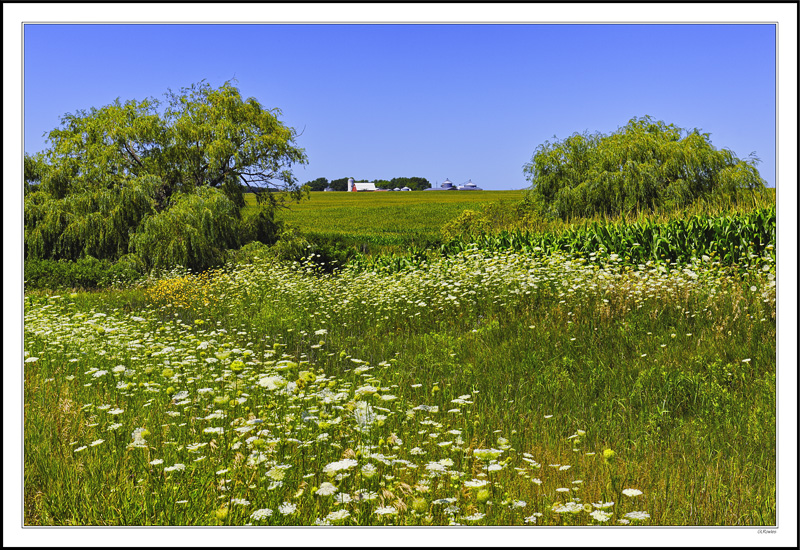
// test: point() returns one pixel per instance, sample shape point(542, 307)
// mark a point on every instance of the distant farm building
point(469, 186)
point(448, 185)
point(360, 185)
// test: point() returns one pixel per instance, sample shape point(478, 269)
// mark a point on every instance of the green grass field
point(389, 219)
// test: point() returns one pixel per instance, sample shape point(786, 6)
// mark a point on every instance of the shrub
point(469, 222)
point(259, 224)
point(85, 273)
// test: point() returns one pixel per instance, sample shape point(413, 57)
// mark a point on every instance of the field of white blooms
point(279, 397)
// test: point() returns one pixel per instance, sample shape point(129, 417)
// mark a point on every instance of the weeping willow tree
point(165, 183)
point(644, 165)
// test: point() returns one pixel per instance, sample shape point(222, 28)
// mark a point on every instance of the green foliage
point(32, 173)
point(85, 273)
point(644, 165)
point(114, 172)
point(414, 183)
point(734, 239)
point(339, 184)
point(260, 225)
point(327, 252)
point(318, 184)
point(195, 232)
point(469, 222)
point(250, 253)
point(96, 222)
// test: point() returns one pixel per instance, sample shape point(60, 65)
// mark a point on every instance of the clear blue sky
point(437, 101)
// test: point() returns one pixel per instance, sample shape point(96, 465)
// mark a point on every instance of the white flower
point(176, 467)
point(116, 411)
point(602, 505)
point(366, 390)
point(156, 462)
point(569, 507)
point(474, 517)
point(287, 508)
point(138, 439)
point(599, 515)
point(96, 442)
point(475, 483)
point(385, 511)
point(240, 501)
point(326, 489)
point(338, 515)
point(639, 516)
point(345, 464)
point(631, 492)
point(272, 382)
point(343, 498)
point(261, 514)
point(364, 494)
point(487, 454)
point(531, 519)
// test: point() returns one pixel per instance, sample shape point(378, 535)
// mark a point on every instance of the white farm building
point(448, 185)
point(360, 185)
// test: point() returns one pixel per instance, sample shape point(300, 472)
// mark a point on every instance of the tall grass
point(483, 388)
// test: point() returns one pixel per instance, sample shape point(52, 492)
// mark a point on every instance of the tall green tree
point(318, 184)
point(339, 184)
point(643, 165)
point(110, 173)
point(414, 183)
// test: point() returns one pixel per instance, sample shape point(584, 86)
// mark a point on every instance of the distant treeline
point(415, 184)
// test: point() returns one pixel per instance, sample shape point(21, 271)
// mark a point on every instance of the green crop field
point(389, 218)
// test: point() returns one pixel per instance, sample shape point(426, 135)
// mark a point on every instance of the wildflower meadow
point(490, 387)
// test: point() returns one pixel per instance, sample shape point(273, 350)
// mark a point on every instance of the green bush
point(469, 222)
point(328, 252)
point(249, 252)
point(259, 224)
point(84, 273)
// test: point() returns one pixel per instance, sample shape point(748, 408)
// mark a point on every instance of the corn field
point(733, 239)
